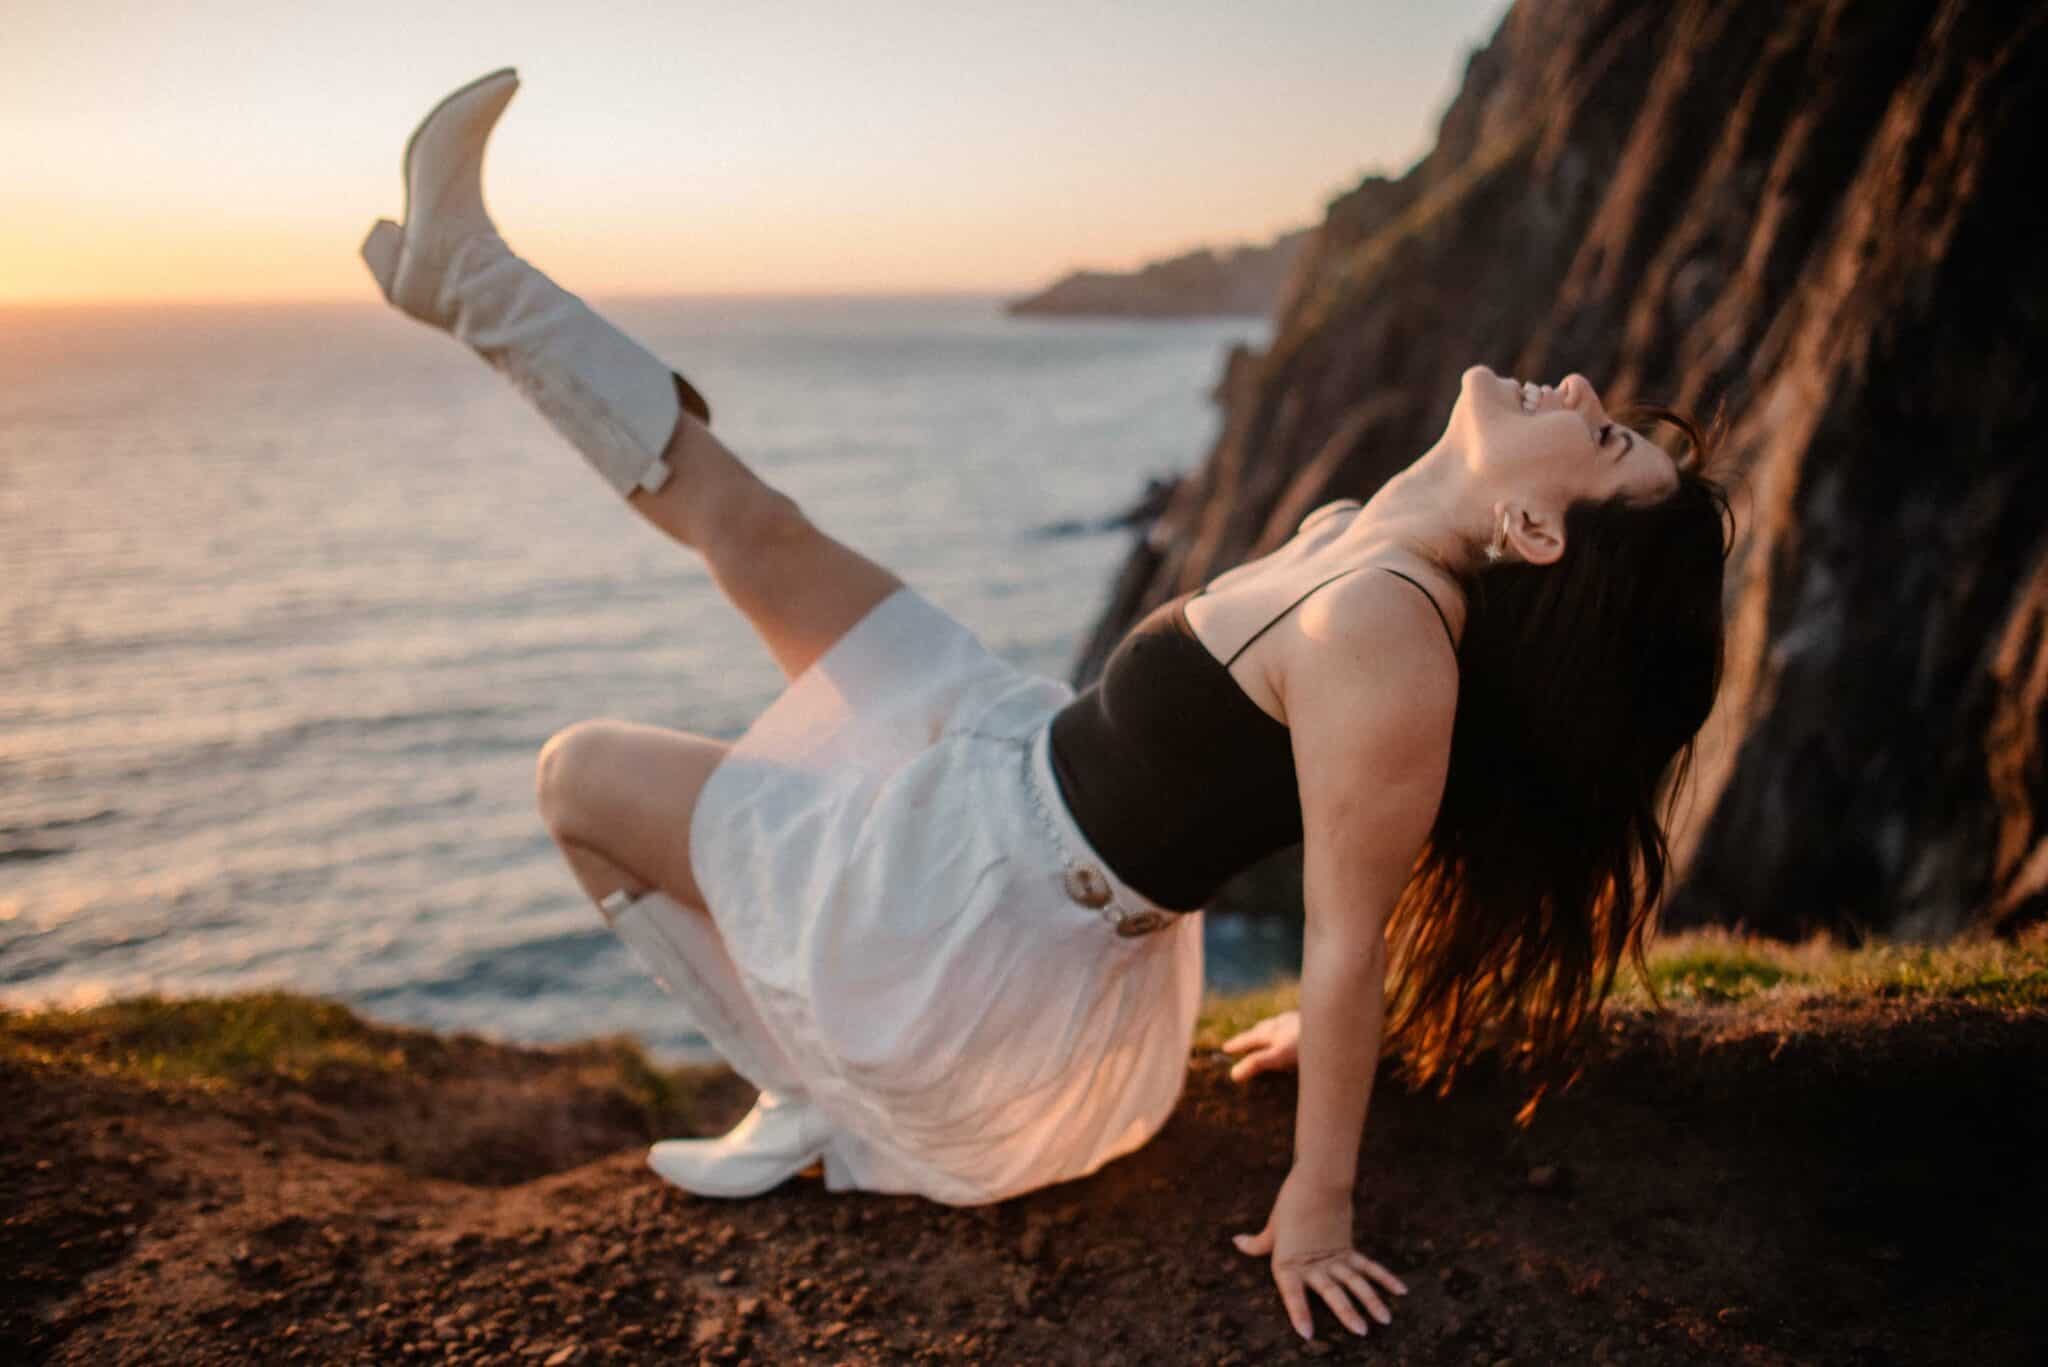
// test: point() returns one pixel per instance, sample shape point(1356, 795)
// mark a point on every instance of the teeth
point(1531, 396)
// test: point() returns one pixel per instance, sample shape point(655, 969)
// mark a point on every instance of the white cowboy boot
point(684, 951)
point(784, 1133)
point(778, 1139)
point(448, 267)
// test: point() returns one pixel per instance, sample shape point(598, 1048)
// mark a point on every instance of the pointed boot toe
point(444, 157)
point(444, 194)
point(447, 266)
point(771, 1145)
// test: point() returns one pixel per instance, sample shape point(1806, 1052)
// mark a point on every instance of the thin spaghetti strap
point(1283, 612)
point(1432, 602)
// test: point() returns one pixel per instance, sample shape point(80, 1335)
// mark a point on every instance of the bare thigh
point(619, 796)
point(800, 588)
point(629, 791)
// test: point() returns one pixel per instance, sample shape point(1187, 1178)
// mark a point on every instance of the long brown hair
point(1582, 684)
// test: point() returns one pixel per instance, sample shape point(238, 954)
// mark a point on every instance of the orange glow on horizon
point(240, 154)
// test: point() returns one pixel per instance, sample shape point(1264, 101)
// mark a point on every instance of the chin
point(1485, 425)
point(1477, 386)
point(1482, 388)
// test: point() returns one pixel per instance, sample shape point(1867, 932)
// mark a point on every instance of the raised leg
point(800, 588)
point(631, 416)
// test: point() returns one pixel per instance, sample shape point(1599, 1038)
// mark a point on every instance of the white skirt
point(957, 979)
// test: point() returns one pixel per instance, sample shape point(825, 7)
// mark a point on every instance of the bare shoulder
point(1370, 654)
point(1371, 697)
point(1372, 628)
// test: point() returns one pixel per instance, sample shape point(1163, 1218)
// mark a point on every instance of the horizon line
point(370, 296)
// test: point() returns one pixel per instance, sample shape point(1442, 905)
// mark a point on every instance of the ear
point(1537, 537)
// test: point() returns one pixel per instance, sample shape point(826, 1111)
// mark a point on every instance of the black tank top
point(1174, 774)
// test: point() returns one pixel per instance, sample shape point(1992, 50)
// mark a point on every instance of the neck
point(1433, 509)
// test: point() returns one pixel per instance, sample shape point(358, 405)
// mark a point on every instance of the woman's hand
point(1309, 1237)
point(1274, 1043)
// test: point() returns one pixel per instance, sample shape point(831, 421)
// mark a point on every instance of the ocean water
point(293, 595)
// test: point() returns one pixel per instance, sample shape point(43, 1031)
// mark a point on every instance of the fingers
point(1324, 1280)
point(1355, 1282)
point(1296, 1301)
point(1258, 1039)
point(1258, 1245)
point(1384, 1277)
point(1245, 1039)
point(1338, 1281)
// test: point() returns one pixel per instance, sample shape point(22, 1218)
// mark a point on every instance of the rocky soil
point(1799, 1184)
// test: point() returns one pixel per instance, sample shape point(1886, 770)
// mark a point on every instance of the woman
point(944, 913)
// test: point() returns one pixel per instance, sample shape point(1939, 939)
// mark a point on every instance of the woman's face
point(1553, 445)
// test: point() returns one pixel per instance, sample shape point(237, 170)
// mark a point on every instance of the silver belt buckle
point(1142, 922)
point(1086, 885)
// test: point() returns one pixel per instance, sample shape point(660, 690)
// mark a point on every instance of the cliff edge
point(1804, 1180)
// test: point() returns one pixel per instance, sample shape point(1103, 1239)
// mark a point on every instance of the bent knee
point(566, 769)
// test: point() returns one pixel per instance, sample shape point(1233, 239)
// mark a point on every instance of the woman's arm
point(1370, 711)
point(1370, 704)
point(1343, 991)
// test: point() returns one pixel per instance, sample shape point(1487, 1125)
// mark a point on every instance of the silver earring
point(1499, 545)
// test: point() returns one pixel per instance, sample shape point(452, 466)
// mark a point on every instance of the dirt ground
point(1807, 1183)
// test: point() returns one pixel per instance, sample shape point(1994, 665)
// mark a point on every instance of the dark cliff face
point(1824, 216)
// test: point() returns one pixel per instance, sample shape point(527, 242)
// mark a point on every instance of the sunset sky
point(238, 150)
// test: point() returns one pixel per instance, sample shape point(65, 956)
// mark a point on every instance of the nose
point(1579, 395)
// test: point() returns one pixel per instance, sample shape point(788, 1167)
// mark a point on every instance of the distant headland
point(1238, 281)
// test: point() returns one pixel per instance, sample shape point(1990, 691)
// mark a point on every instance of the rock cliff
point(1242, 280)
point(1823, 218)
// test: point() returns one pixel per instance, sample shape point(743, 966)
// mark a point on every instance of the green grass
point(1708, 967)
point(1224, 1014)
point(216, 1041)
point(1717, 966)
point(203, 1039)
point(228, 1041)
point(666, 1096)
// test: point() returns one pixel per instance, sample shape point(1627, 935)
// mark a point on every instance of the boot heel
point(380, 251)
